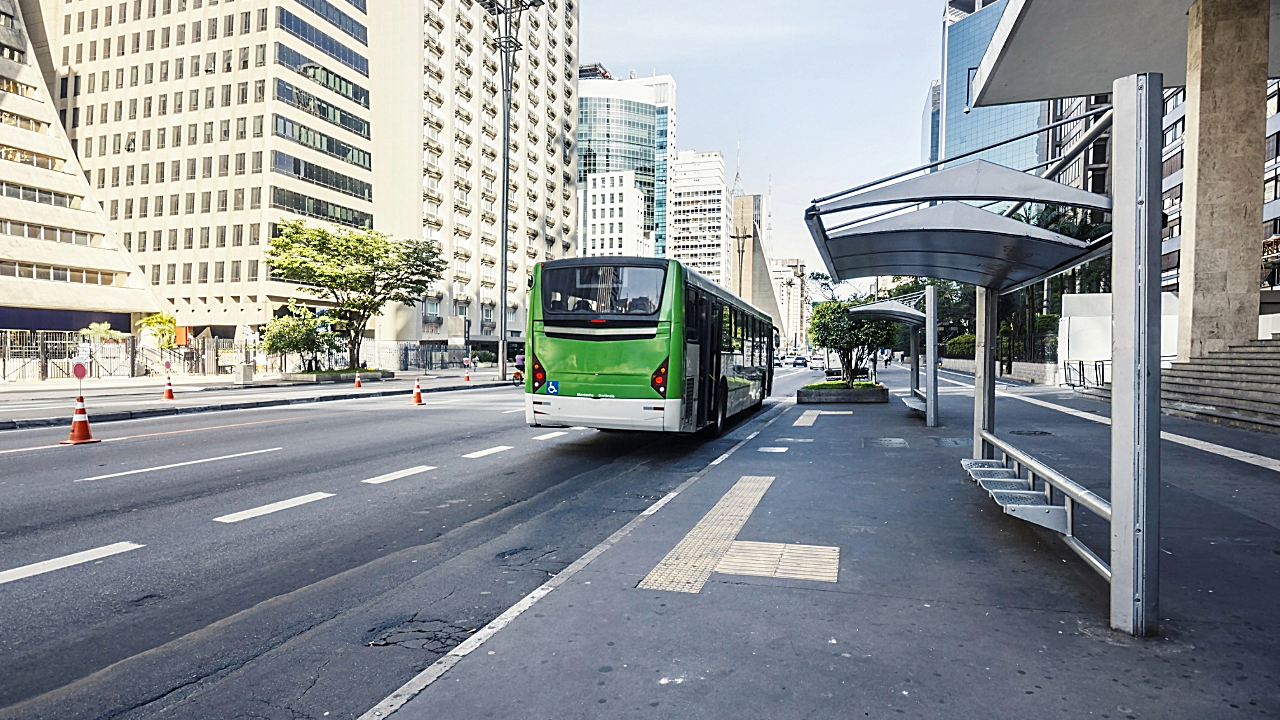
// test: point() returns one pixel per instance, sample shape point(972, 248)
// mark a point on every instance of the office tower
point(700, 215)
point(204, 124)
point(60, 266)
point(930, 124)
point(461, 140)
point(629, 125)
point(611, 219)
point(789, 284)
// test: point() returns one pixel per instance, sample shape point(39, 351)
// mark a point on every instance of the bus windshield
point(603, 290)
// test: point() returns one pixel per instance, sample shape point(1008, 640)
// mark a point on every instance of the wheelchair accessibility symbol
point(553, 387)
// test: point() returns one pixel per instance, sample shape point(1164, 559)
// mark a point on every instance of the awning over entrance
point(1045, 49)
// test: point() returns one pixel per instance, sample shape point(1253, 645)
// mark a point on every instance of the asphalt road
point(292, 562)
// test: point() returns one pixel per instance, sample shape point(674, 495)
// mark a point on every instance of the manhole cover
point(1030, 432)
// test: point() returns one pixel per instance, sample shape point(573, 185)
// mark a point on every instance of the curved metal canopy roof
point(952, 241)
point(889, 310)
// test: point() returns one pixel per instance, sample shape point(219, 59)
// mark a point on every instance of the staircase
point(1239, 387)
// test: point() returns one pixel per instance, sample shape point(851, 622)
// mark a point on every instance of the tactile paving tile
point(782, 560)
point(689, 564)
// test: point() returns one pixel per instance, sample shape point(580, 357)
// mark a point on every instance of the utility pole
point(507, 13)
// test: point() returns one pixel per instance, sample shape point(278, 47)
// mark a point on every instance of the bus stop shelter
point(934, 228)
point(898, 310)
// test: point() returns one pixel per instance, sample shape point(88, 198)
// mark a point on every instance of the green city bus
point(630, 343)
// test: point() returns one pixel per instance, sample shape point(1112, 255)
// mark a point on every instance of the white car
point(817, 363)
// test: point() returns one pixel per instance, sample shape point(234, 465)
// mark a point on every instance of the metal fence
point(429, 357)
point(34, 355)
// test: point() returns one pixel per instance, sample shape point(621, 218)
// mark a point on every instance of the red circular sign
point(79, 370)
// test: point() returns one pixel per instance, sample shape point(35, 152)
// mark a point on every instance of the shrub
point(961, 346)
point(486, 356)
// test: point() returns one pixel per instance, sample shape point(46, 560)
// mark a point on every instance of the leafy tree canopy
point(357, 271)
point(853, 340)
point(300, 331)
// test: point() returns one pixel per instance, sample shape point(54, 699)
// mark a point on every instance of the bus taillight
point(659, 379)
point(538, 374)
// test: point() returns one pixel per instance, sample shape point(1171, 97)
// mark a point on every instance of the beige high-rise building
point(203, 124)
point(60, 266)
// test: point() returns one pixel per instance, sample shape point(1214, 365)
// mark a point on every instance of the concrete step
point(1232, 360)
point(1227, 373)
point(1253, 406)
point(1222, 412)
point(1210, 388)
point(1245, 354)
point(1226, 417)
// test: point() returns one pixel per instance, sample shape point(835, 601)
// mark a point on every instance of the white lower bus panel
point(609, 413)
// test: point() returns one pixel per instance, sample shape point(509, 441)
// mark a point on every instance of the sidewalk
point(46, 405)
point(943, 606)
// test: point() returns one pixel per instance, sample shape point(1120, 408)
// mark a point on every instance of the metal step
point(914, 403)
point(991, 485)
point(1033, 507)
point(992, 474)
point(971, 463)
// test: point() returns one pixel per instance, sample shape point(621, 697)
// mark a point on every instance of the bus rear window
point(602, 290)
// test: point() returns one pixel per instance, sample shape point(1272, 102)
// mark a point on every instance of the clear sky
point(822, 94)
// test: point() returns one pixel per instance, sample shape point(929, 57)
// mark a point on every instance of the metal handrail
point(1084, 496)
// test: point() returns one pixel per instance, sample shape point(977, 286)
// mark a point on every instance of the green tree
point(300, 331)
point(101, 332)
point(164, 326)
point(853, 340)
point(357, 271)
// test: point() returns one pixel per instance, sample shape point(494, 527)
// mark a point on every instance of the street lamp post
point(507, 13)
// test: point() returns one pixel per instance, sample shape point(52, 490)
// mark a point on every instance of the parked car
point(800, 361)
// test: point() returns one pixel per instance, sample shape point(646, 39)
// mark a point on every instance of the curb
point(193, 409)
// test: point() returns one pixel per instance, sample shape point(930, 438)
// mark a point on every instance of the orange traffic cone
point(80, 426)
point(466, 373)
point(417, 392)
point(358, 379)
point(168, 388)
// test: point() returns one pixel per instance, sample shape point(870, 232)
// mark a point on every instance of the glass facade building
point(966, 41)
point(619, 134)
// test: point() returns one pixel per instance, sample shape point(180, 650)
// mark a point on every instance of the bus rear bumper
point(607, 413)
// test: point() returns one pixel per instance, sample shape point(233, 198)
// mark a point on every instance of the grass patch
point(841, 385)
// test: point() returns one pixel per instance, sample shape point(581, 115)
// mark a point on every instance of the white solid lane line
point(490, 451)
point(399, 474)
point(273, 507)
point(174, 465)
point(549, 435)
point(508, 412)
point(66, 561)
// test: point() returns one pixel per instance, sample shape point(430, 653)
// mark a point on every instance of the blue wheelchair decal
point(553, 387)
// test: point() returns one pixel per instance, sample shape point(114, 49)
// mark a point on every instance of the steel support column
point(1135, 353)
point(931, 355)
point(984, 370)
point(915, 360)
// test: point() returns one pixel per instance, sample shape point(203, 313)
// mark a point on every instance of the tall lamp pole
point(507, 13)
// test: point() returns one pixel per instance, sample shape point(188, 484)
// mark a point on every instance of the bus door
point(712, 347)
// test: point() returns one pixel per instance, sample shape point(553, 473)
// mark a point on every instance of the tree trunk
point(353, 348)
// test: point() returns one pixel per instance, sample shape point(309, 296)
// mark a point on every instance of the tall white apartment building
point(60, 266)
point(700, 215)
point(611, 219)
point(789, 287)
point(460, 125)
point(203, 124)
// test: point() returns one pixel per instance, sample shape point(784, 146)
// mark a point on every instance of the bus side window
point(691, 314)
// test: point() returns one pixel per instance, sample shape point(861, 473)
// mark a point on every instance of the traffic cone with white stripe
point(358, 379)
point(80, 426)
point(168, 388)
point(417, 392)
point(466, 373)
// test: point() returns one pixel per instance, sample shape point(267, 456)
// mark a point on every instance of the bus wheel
point(718, 427)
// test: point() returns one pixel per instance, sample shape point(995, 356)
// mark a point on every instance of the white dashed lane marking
point(174, 465)
point(772, 449)
point(490, 451)
point(27, 571)
point(273, 507)
point(399, 474)
point(549, 435)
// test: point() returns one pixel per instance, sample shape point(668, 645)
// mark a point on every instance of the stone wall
point(1035, 373)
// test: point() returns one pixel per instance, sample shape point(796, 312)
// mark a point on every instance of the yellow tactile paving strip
point(781, 560)
point(808, 417)
point(689, 564)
